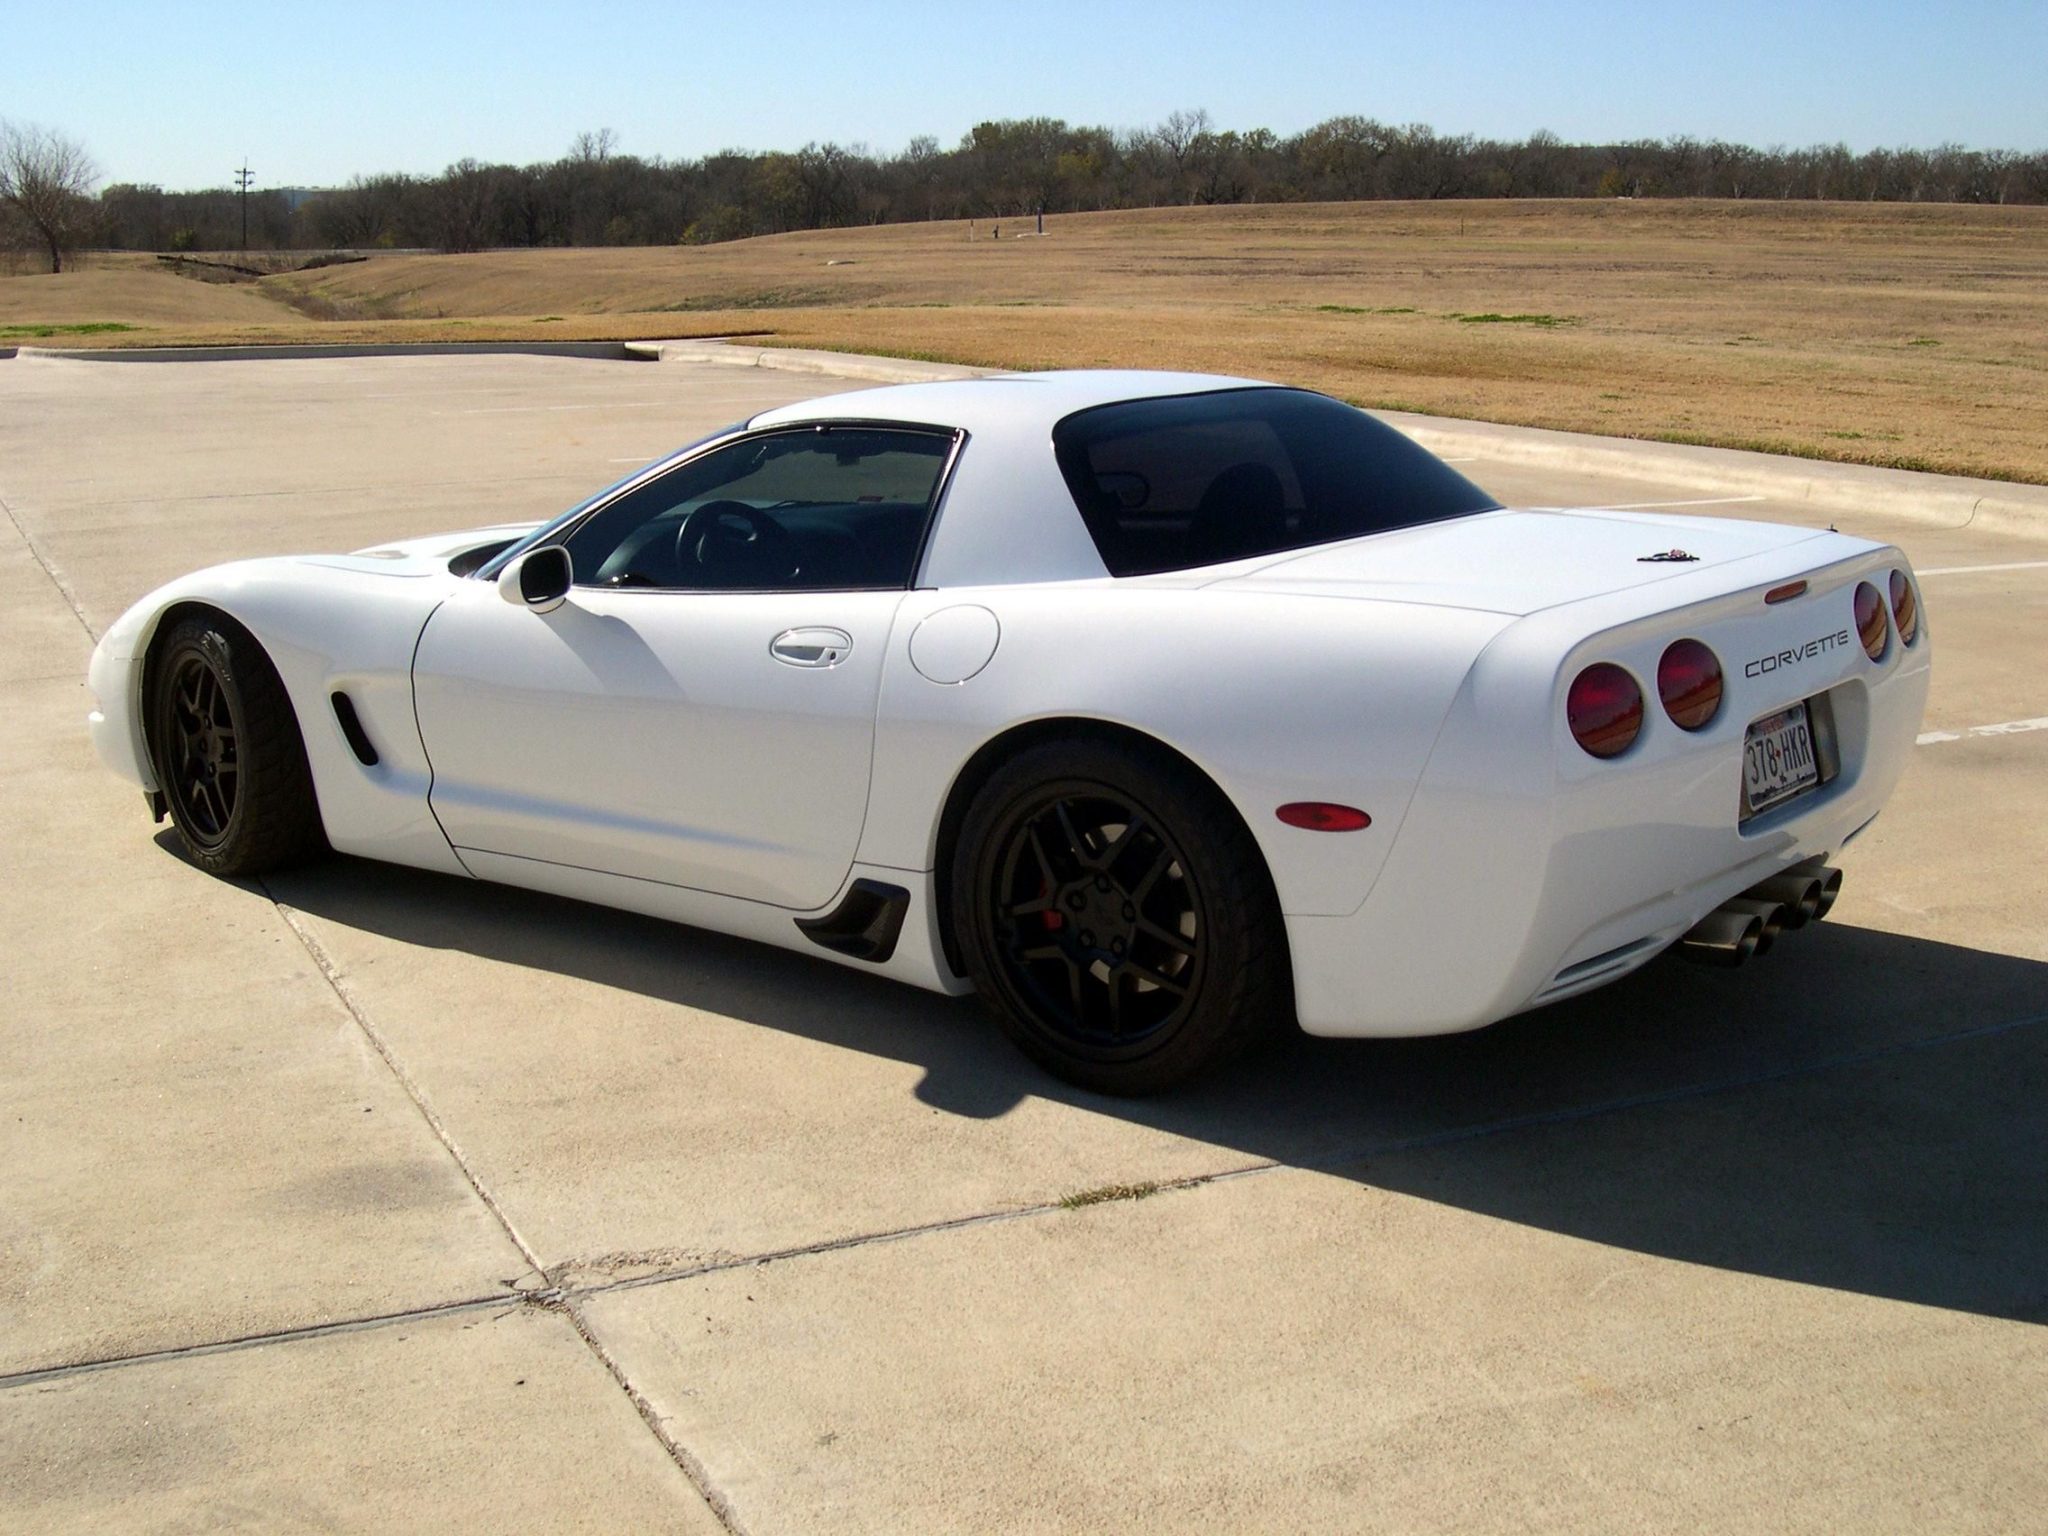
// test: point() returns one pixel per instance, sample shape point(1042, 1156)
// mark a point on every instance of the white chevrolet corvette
point(1165, 711)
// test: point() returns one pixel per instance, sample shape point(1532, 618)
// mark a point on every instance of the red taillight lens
point(1689, 683)
point(1905, 608)
point(1604, 710)
point(1871, 628)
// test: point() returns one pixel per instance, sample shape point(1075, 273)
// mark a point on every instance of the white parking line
point(2004, 728)
point(1972, 570)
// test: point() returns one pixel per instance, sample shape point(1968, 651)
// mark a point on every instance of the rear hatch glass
point(1180, 481)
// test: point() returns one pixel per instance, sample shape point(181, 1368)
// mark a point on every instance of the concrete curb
point(604, 351)
point(844, 365)
point(1944, 501)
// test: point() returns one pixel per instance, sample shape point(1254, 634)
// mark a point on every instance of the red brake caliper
point(1053, 920)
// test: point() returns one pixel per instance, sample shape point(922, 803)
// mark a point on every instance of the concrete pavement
point(364, 1197)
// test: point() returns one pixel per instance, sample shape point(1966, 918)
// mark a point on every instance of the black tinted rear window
point(1192, 480)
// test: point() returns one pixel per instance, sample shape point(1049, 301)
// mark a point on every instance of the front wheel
point(1118, 918)
point(229, 758)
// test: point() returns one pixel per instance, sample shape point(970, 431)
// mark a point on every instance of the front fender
point(327, 627)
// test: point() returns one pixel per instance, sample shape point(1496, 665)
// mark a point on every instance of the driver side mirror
point(538, 579)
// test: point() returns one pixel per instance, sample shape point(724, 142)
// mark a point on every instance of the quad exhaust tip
point(1749, 924)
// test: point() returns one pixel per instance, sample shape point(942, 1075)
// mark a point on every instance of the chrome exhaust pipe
point(1830, 887)
point(1798, 894)
point(1770, 916)
point(1722, 938)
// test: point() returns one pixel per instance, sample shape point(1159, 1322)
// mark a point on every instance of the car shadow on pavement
point(1858, 1110)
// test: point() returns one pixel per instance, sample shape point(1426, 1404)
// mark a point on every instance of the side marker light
point(1322, 816)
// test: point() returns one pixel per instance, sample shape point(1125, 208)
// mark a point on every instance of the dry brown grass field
point(1884, 334)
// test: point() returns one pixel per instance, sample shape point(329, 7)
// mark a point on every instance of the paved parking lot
point(363, 1197)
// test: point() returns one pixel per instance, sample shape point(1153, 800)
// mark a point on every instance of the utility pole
point(242, 180)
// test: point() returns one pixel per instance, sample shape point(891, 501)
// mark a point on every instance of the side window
point(807, 509)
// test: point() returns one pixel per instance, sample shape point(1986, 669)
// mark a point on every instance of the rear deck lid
point(1517, 562)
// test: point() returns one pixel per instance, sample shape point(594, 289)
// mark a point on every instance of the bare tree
point(1178, 135)
point(593, 146)
point(45, 179)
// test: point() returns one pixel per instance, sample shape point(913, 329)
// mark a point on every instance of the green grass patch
point(765, 298)
point(1358, 309)
point(1923, 341)
point(1547, 322)
point(88, 328)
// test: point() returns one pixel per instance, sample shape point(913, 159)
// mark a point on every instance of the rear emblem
point(1668, 554)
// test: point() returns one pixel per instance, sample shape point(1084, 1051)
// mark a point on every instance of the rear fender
point(1274, 700)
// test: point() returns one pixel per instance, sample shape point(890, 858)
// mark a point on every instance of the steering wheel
point(732, 537)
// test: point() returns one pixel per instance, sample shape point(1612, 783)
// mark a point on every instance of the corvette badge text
point(1806, 652)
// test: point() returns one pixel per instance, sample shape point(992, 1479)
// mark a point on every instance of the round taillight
point(1689, 683)
point(1905, 608)
point(1871, 628)
point(1604, 710)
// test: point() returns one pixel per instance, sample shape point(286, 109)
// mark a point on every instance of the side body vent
point(352, 728)
point(864, 925)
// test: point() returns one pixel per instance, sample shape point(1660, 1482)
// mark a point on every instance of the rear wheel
point(229, 758)
point(1118, 917)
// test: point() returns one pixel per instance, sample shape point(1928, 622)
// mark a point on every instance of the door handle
point(811, 647)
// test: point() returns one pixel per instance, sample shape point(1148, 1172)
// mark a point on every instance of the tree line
point(595, 195)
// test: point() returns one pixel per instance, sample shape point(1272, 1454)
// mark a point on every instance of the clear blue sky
point(177, 93)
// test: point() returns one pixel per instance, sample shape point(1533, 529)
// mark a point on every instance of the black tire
point(1118, 918)
point(229, 757)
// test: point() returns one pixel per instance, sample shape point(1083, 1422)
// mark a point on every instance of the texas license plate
point(1777, 760)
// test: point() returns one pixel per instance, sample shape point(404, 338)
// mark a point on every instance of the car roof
point(1007, 516)
point(1002, 403)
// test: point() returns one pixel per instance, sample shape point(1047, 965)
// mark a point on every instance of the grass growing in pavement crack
point(1106, 1193)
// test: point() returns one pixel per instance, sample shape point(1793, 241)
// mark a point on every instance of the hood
point(1517, 562)
point(427, 556)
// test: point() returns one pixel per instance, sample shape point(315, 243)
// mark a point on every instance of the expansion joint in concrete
point(342, 991)
point(552, 1297)
point(510, 1300)
point(687, 1462)
point(52, 570)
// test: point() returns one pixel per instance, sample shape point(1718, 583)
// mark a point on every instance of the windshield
point(554, 525)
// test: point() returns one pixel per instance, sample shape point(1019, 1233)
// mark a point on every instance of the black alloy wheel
point(1097, 920)
point(201, 750)
point(1117, 916)
point(227, 751)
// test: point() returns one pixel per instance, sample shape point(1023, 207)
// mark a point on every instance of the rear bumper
point(1520, 878)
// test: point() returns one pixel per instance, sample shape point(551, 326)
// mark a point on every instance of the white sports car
point(1165, 711)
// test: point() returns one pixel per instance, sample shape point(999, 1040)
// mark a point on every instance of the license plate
point(1777, 760)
